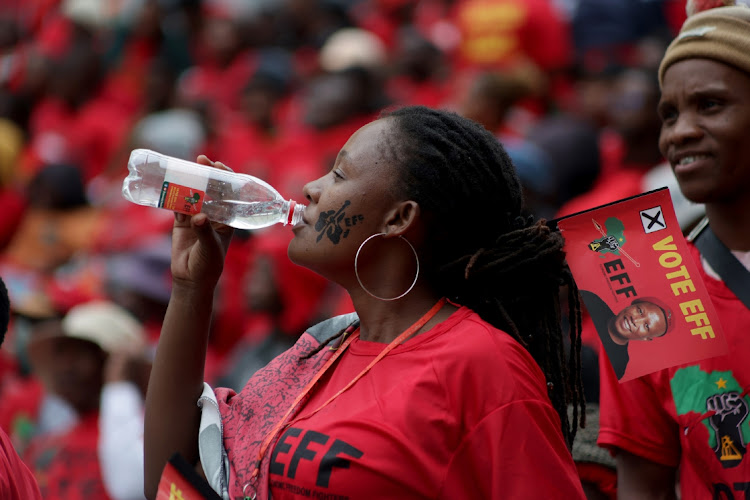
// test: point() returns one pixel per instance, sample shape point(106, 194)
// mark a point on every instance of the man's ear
point(402, 218)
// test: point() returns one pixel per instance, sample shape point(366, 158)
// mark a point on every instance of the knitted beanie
point(721, 34)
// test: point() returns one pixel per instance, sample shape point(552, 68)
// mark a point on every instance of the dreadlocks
point(485, 255)
point(4, 310)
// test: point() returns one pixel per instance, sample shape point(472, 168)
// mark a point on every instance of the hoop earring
point(356, 270)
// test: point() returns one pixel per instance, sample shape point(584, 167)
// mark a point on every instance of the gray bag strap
point(211, 443)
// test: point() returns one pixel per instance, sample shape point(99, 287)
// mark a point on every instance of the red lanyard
point(398, 340)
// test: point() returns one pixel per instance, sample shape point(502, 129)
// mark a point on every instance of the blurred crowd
point(272, 88)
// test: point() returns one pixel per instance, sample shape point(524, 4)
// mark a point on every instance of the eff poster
point(179, 481)
point(641, 286)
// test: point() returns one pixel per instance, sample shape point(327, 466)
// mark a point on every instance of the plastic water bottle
point(238, 200)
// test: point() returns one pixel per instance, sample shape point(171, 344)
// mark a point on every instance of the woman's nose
point(311, 191)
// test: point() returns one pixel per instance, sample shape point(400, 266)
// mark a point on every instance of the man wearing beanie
point(685, 431)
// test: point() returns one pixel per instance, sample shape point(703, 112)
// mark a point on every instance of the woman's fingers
point(203, 230)
point(207, 232)
point(204, 160)
point(200, 220)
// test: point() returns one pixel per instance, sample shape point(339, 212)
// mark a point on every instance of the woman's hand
point(172, 418)
point(199, 246)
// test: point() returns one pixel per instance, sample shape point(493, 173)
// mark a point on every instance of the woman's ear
point(402, 218)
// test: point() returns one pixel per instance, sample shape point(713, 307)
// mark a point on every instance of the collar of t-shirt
point(368, 348)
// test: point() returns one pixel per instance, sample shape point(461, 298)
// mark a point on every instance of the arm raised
point(172, 415)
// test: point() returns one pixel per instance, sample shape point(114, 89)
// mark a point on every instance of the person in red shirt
point(687, 425)
point(281, 300)
point(75, 122)
point(450, 381)
point(503, 33)
point(70, 357)
point(419, 71)
point(531, 36)
point(223, 63)
point(16, 480)
point(634, 128)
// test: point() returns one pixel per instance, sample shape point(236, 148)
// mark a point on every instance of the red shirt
point(67, 464)
point(246, 148)
point(19, 410)
point(430, 93)
point(501, 33)
point(444, 415)
point(16, 481)
point(220, 86)
point(87, 136)
point(615, 186)
point(691, 416)
point(14, 206)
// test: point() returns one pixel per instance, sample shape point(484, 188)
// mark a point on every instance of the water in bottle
point(238, 200)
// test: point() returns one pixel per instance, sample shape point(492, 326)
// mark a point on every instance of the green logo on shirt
point(719, 397)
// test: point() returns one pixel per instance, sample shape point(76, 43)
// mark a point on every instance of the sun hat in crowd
point(352, 47)
point(104, 323)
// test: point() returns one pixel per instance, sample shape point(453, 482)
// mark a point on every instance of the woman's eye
point(337, 174)
point(667, 115)
point(709, 104)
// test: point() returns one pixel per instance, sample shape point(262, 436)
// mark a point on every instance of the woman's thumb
point(203, 229)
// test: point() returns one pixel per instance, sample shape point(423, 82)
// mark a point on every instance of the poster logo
point(653, 220)
point(612, 240)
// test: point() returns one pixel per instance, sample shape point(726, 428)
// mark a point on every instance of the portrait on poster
point(640, 285)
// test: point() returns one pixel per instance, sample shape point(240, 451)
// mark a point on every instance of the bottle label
point(182, 199)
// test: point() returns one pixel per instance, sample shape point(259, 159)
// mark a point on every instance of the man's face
point(640, 321)
point(69, 367)
point(705, 113)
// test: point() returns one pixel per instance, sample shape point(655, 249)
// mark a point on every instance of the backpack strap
point(721, 259)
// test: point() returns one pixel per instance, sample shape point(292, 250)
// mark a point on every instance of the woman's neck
point(383, 321)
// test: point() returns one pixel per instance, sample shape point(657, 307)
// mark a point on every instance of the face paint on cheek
point(335, 224)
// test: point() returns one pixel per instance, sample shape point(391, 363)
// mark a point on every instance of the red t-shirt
point(691, 416)
point(445, 415)
point(14, 207)
point(87, 136)
point(614, 187)
point(16, 481)
point(501, 33)
point(220, 86)
point(66, 465)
